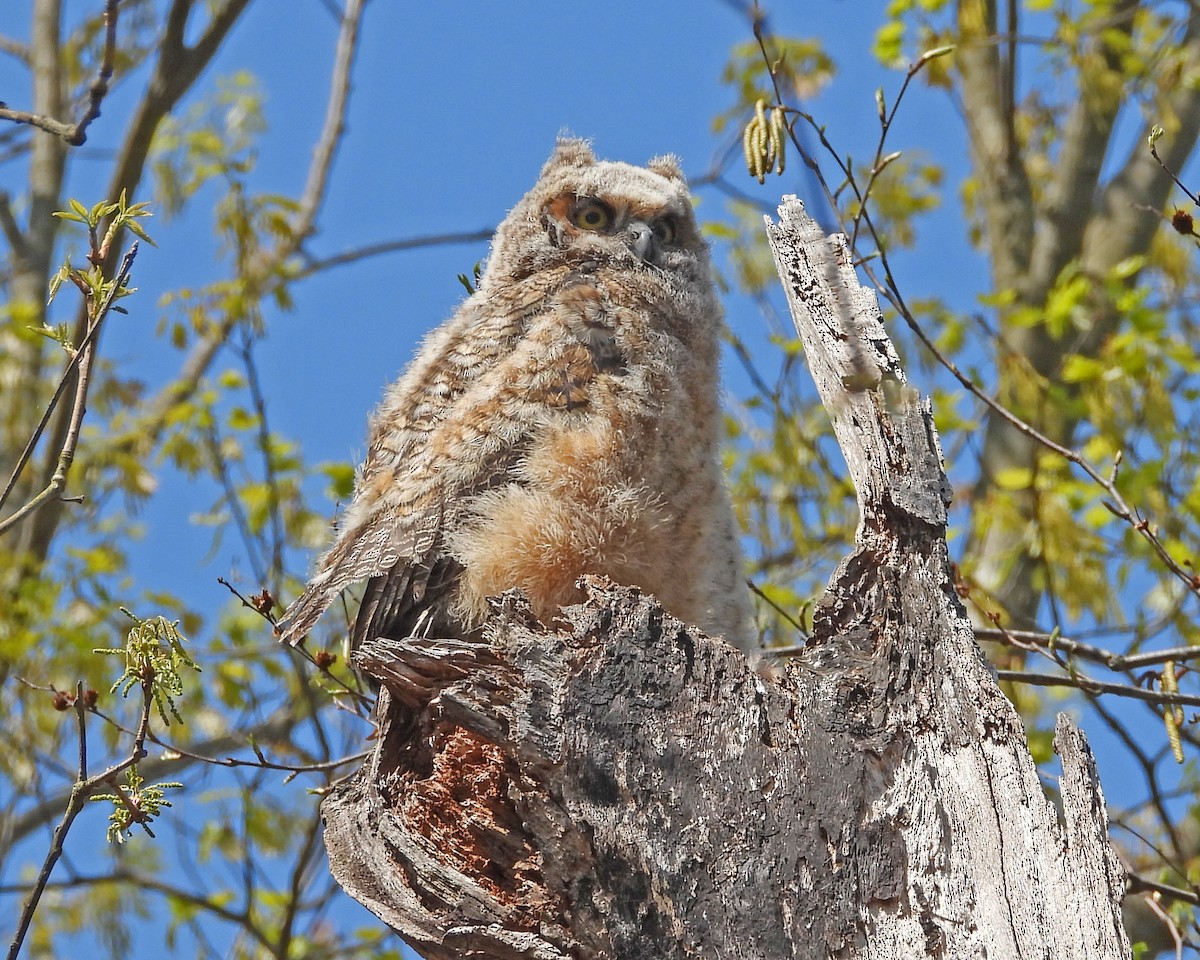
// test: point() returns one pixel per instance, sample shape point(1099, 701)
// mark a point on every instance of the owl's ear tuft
point(668, 166)
point(570, 152)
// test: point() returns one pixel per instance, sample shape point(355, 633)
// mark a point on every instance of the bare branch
point(143, 881)
point(75, 133)
point(335, 123)
point(317, 265)
point(15, 49)
point(1114, 661)
point(1089, 685)
point(84, 354)
point(1138, 884)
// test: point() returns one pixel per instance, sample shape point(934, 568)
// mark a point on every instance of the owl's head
point(583, 210)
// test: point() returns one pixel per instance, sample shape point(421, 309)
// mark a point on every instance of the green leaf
point(1014, 478)
point(1080, 369)
point(888, 45)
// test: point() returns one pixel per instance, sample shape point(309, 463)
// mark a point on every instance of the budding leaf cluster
point(154, 656)
point(134, 804)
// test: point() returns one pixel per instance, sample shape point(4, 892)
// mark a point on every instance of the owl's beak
point(641, 240)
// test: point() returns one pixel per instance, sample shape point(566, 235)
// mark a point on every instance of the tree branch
point(75, 133)
point(1003, 181)
point(80, 365)
point(12, 232)
point(1068, 204)
point(1122, 227)
point(144, 881)
point(334, 125)
point(202, 354)
point(15, 49)
point(176, 69)
point(1087, 651)
point(315, 265)
point(1089, 685)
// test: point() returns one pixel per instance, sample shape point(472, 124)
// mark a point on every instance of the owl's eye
point(664, 229)
point(591, 215)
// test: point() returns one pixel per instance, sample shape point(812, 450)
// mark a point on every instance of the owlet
point(565, 421)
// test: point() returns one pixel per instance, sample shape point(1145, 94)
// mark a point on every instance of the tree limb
point(334, 125)
point(315, 265)
point(1008, 205)
point(1067, 207)
point(80, 368)
point(176, 69)
point(75, 133)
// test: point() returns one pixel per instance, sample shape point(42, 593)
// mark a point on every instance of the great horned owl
point(565, 421)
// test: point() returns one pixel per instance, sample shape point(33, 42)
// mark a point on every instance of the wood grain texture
point(622, 786)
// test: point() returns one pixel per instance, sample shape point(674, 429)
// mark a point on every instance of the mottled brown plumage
point(565, 421)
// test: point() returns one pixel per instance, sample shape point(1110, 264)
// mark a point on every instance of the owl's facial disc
point(646, 233)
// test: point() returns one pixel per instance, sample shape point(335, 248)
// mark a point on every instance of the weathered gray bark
point(623, 787)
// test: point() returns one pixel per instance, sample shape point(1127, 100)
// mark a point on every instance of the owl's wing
point(392, 532)
point(384, 543)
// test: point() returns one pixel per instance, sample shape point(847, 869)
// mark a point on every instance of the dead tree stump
point(621, 786)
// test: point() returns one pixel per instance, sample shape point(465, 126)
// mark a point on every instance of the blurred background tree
point(1024, 230)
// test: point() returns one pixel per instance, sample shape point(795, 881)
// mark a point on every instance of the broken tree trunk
point(622, 786)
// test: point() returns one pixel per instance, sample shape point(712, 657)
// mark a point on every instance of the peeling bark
point(618, 785)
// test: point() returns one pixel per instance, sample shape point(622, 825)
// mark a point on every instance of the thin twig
point(358, 696)
point(1090, 685)
point(1171, 173)
point(1114, 661)
point(261, 762)
point(220, 467)
point(270, 475)
point(754, 588)
point(316, 265)
point(82, 789)
point(82, 360)
point(76, 133)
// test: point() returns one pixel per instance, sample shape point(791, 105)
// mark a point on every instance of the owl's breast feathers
point(484, 392)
